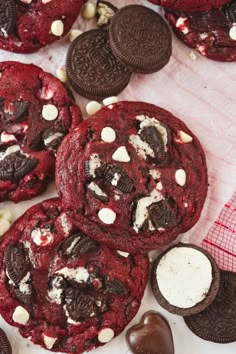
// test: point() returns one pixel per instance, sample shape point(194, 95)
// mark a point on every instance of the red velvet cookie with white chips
point(134, 175)
point(36, 112)
point(62, 289)
point(190, 5)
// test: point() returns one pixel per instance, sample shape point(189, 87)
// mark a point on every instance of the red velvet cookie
point(61, 288)
point(190, 5)
point(134, 175)
point(212, 33)
point(36, 112)
point(27, 25)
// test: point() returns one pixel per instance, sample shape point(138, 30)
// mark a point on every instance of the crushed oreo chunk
point(115, 287)
point(77, 244)
point(27, 299)
point(5, 346)
point(230, 10)
point(153, 137)
point(79, 306)
point(105, 12)
point(52, 138)
point(7, 17)
point(17, 263)
point(118, 178)
point(161, 215)
point(15, 166)
point(97, 192)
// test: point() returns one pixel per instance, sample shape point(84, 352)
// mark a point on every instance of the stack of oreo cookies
point(207, 26)
point(100, 62)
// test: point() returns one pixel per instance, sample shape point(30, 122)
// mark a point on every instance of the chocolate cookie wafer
point(93, 70)
point(217, 323)
point(140, 39)
point(5, 346)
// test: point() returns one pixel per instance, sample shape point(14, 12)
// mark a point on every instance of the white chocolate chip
point(74, 33)
point(49, 341)
point(232, 32)
point(57, 28)
point(159, 186)
point(4, 226)
point(61, 75)
point(89, 11)
point(49, 112)
point(107, 216)
point(109, 100)
point(108, 135)
point(92, 107)
point(105, 335)
point(180, 177)
point(5, 214)
point(185, 138)
point(123, 254)
point(26, 1)
point(46, 1)
point(193, 56)
point(181, 24)
point(121, 154)
point(20, 315)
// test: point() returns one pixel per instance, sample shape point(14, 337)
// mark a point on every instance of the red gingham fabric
point(221, 238)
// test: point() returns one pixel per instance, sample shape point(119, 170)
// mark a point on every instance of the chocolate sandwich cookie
point(27, 25)
point(61, 288)
point(190, 5)
point(92, 68)
point(211, 33)
point(151, 335)
point(5, 345)
point(140, 39)
point(36, 112)
point(217, 323)
point(185, 279)
point(134, 176)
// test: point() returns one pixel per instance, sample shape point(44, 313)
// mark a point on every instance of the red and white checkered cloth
point(221, 238)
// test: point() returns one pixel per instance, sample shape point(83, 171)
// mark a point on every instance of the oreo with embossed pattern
point(69, 292)
point(217, 323)
point(36, 113)
point(212, 33)
point(92, 68)
point(5, 346)
point(7, 17)
point(137, 182)
point(140, 39)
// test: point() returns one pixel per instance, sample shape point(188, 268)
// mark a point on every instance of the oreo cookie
point(92, 68)
point(7, 17)
point(217, 323)
point(140, 39)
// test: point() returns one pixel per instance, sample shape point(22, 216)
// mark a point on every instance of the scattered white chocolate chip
point(105, 335)
point(49, 112)
point(180, 177)
point(121, 154)
point(26, 1)
point(92, 107)
point(46, 1)
point(4, 226)
point(57, 28)
point(107, 216)
point(159, 186)
point(123, 254)
point(232, 32)
point(109, 100)
point(74, 33)
point(89, 11)
point(61, 75)
point(185, 138)
point(49, 341)
point(20, 315)
point(108, 135)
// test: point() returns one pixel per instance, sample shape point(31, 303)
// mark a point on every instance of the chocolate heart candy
point(151, 336)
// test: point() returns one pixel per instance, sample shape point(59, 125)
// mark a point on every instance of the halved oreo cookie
point(185, 279)
point(217, 323)
point(93, 70)
point(140, 39)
